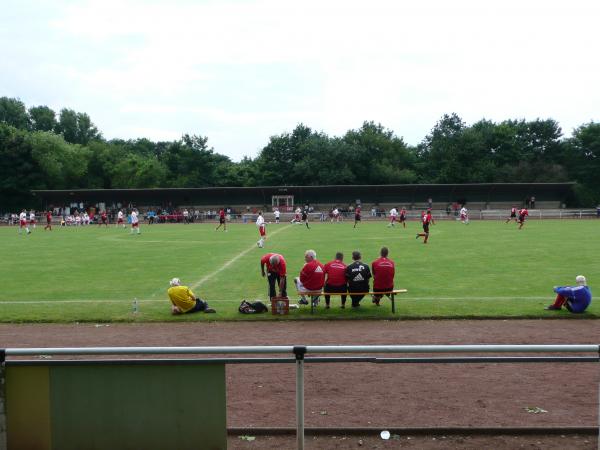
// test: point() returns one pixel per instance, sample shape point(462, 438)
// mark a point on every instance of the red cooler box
point(280, 306)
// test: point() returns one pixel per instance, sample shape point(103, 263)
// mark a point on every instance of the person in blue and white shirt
point(575, 298)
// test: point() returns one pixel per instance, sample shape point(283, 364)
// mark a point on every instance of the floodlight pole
point(299, 352)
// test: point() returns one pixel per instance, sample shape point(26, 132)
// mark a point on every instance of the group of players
point(27, 222)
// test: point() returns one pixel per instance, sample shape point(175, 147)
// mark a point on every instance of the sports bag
point(252, 308)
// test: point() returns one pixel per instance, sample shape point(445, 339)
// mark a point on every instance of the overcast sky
point(241, 71)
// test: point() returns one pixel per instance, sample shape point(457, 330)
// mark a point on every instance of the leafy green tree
point(86, 130)
point(19, 170)
point(13, 112)
point(42, 118)
point(582, 156)
point(62, 165)
point(76, 128)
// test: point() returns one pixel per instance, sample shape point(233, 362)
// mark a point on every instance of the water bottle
point(135, 306)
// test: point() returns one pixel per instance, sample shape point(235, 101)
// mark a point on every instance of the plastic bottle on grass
point(136, 307)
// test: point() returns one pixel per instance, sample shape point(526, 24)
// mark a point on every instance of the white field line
point(205, 278)
point(29, 302)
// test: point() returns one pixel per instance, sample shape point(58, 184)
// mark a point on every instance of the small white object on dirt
point(385, 435)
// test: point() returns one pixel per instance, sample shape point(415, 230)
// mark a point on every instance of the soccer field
point(484, 269)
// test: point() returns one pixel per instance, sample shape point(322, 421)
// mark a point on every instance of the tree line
point(40, 149)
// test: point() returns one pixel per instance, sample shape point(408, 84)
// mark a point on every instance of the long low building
point(552, 195)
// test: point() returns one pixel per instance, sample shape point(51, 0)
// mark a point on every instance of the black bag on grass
point(252, 308)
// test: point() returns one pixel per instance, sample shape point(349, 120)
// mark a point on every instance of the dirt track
point(377, 395)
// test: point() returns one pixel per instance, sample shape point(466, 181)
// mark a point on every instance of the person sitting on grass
point(575, 298)
point(183, 300)
point(312, 277)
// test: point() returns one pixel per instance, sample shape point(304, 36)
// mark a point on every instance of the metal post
point(300, 351)
point(3, 440)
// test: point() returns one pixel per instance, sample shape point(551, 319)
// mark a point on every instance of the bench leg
point(393, 305)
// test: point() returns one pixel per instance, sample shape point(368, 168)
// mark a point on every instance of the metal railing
point(302, 354)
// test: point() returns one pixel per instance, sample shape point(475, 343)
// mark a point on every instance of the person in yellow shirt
point(183, 300)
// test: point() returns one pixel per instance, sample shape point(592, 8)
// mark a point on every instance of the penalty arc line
point(205, 278)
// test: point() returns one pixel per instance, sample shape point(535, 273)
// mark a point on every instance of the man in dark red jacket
point(312, 277)
point(276, 273)
point(383, 275)
point(336, 278)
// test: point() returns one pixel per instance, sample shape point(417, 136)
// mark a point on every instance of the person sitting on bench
point(383, 275)
point(358, 275)
point(312, 277)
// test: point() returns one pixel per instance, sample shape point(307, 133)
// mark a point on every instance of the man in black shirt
point(305, 216)
point(358, 275)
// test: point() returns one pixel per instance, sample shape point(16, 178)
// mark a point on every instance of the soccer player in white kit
point(32, 218)
point(464, 215)
point(260, 223)
point(335, 215)
point(393, 216)
point(276, 213)
point(23, 222)
point(120, 219)
point(135, 225)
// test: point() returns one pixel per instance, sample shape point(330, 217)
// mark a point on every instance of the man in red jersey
point(426, 219)
point(103, 219)
point(356, 215)
point(335, 272)
point(276, 273)
point(48, 221)
point(383, 270)
point(222, 220)
point(513, 214)
point(522, 214)
point(311, 277)
point(402, 219)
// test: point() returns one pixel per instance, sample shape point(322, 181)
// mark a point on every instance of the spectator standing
point(275, 272)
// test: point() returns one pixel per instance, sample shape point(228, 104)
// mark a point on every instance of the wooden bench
point(391, 294)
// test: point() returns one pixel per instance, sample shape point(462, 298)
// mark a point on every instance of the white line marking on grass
point(474, 298)
point(400, 296)
point(205, 278)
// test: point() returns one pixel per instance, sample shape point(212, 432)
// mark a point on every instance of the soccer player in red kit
point(522, 214)
point(426, 220)
point(48, 221)
point(335, 271)
point(222, 220)
point(402, 219)
point(513, 215)
point(312, 277)
point(103, 219)
point(356, 215)
point(276, 273)
point(383, 270)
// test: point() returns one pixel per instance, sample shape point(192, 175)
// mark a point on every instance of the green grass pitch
point(484, 269)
